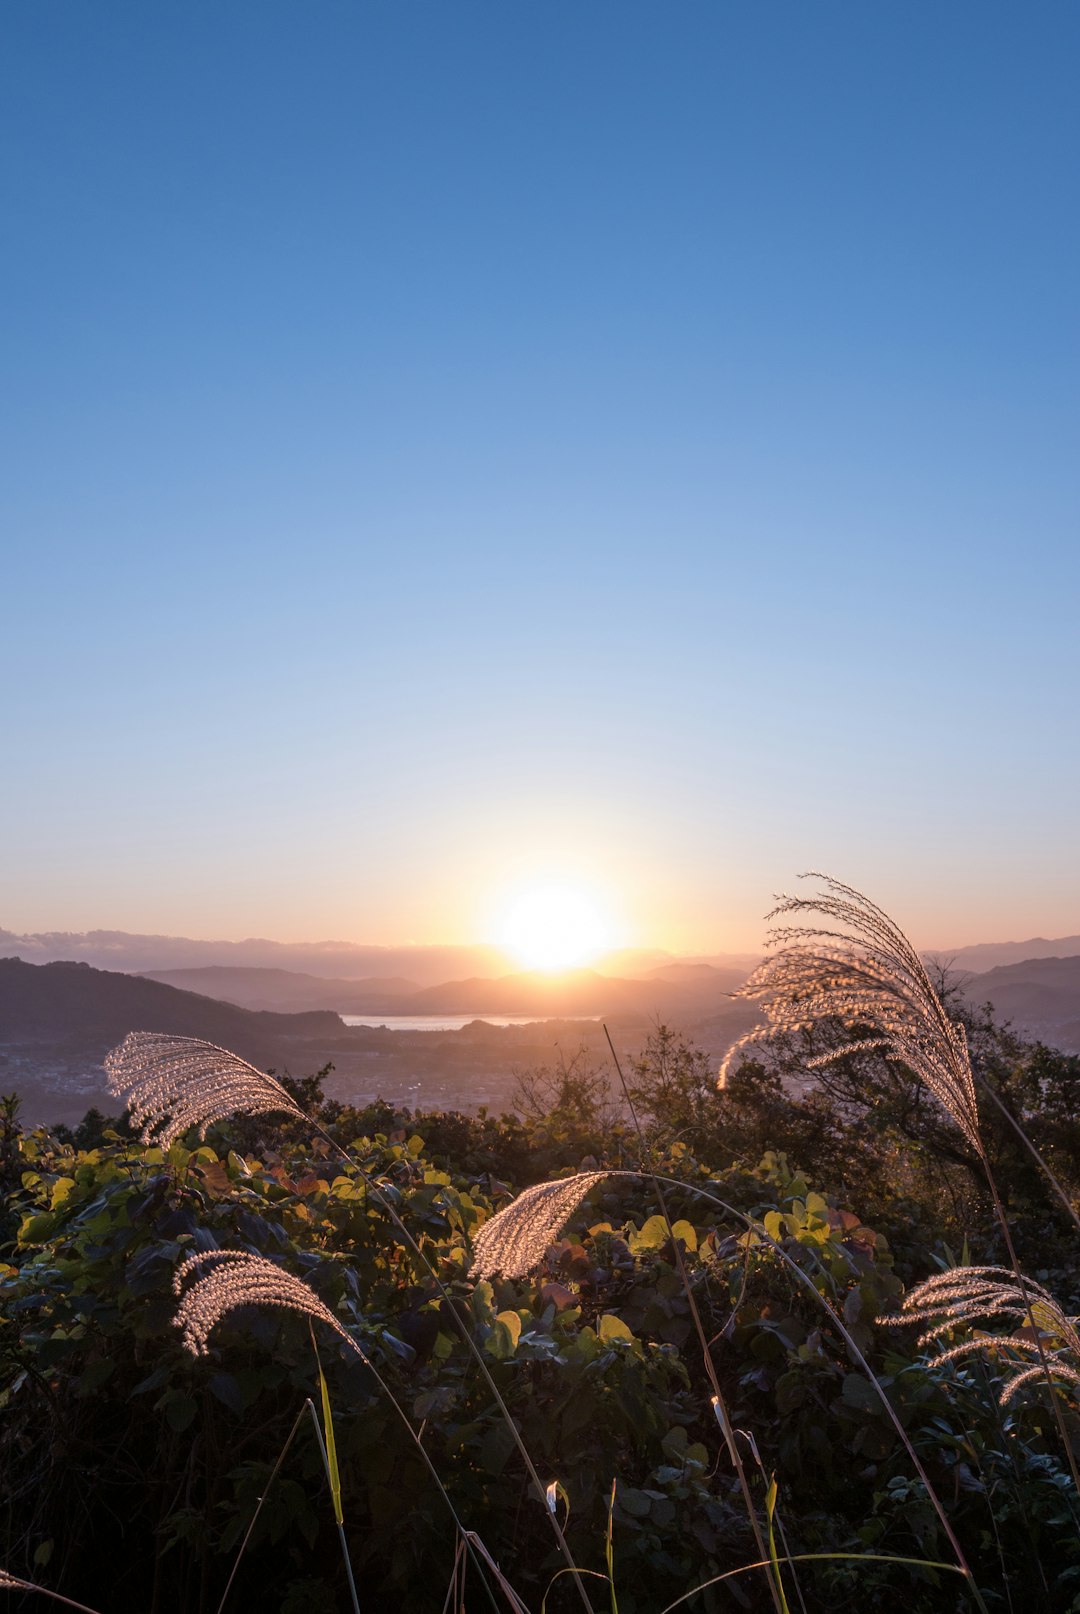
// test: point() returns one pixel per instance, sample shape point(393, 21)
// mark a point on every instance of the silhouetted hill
point(288, 991)
point(984, 956)
point(58, 1021)
point(670, 989)
point(120, 950)
point(573, 992)
point(702, 979)
point(1041, 996)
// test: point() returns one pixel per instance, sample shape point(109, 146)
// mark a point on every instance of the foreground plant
point(965, 1296)
point(172, 1084)
point(867, 976)
point(535, 1219)
point(212, 1284)
point(12, 1583)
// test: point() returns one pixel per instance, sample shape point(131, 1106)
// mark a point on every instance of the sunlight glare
point(555, 928)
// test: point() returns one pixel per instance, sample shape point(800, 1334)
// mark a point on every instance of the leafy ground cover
point(131, 1472)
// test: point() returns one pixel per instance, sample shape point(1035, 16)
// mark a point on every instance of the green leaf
point(511, 1321)
point(651, 1236)
point(859, 1393)
point(180, 1410)
point(770, 1512)
point(687, 1232)
point(496, 1448)
point(333, 1472)
point(612, 1327)
point(501, 1342)
point(93, 1377)
point(36, 1229)
point(609, 1552)
point(227, 1390)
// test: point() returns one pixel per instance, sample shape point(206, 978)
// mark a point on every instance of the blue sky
point(455, 445)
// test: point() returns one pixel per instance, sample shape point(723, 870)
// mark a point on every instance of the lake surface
point(453, 1022)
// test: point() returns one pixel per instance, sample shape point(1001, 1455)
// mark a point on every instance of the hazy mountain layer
point(58, 1021)
point(672, 989)
point(1041, 996)
point(288, 991)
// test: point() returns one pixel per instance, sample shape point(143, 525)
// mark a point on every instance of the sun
point(555, 927)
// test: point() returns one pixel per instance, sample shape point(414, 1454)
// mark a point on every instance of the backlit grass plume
point(224, 1280)
point(172, 1083)
point(966, 1296)
point(860, 969)
point(513, 1242)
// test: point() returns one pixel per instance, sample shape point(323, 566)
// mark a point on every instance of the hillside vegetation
point(132, 1471)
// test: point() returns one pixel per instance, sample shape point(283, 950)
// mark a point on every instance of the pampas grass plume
point(964, 1296)
point(514, 1241)
point(224, 1280)
point(172, 1083)
point(861, 970)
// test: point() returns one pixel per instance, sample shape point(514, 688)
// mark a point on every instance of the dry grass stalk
point(964, 1296)
point(228, 1279)
point(513, 1242)
point(861, 970)
point(12, 1583)
point(172, 1083)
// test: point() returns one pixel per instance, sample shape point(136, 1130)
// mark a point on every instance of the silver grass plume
point(861, 970)
point(227, 1279)
point(172, 1083)
point(514, 1240)
point(965, 1296)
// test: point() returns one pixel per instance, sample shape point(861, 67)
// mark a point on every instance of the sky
point(453, 450)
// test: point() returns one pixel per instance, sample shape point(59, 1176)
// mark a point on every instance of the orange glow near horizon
point(554, 927)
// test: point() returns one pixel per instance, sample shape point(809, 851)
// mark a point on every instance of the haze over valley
point(59, 1016)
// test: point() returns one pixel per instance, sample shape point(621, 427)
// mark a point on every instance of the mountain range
point(419, 966)
point(58, 1020)
point(1040, 996)
point(668, 989)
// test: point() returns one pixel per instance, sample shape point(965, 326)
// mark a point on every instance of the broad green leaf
point(180, 1410)
point(333, 1472)
point(511, 1320)
point(687, 1232)
point(611, 1327)
point(502, 1342)
point(651, 1236)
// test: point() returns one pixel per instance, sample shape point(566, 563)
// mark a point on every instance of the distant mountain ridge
point(423, 965)
point(983, 956)
point(671, 988)
point(287, 991)
point(1040, 996)
point(61, 1000)
point(142, 954)
point(58, 1021)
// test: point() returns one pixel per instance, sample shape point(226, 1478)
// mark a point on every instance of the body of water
point(452, 1022)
